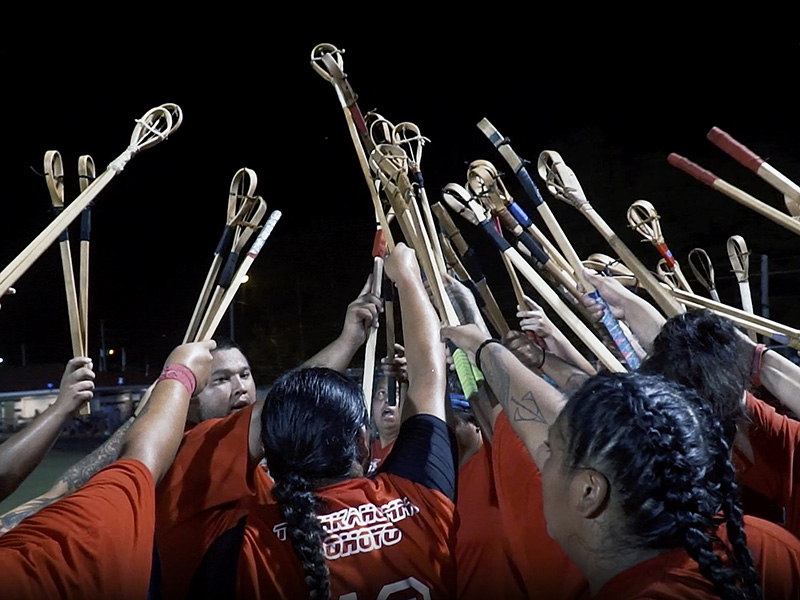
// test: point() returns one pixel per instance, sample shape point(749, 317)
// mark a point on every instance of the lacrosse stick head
point(739, 256)
point(243, 187)
point(54, 176)
point(407, 136)
point(326, 59)
point(389, 161)
point(156, 125)
point(561, 182)
point(86, 171)
point(611, 267)
point(458, 199)
point(482, 177)
point(379, 128)
point(667, 275)
point(643, 218)
point(700, 264)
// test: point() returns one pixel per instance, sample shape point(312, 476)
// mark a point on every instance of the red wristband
point(755, 367)
point(180, 373)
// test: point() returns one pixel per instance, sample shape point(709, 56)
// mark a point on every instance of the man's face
point(230, 387)
point(387, 418)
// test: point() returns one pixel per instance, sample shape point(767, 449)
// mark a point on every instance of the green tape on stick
point(465, 373)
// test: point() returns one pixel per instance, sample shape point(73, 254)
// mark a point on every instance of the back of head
point(310, 424)
point(703, 351)
point(668, 466)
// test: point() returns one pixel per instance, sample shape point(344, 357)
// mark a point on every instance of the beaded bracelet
point(481, 347)
point(181, 374)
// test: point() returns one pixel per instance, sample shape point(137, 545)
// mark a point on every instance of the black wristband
point(484, 343)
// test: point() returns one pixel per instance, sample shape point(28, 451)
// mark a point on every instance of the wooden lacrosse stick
point(378, 254)
point(543, 288)
point(155, 126)
point(643, 218)
point(486, 185)
point(779, 333)
point(611, 267)
point(562, 183)
point(256, 209)
point(241, 201)
point(54, 175)
point(407, 136)
point(700, 264)
point(213, 322)
point(733, 192)
point(86, 175)
point(739, 256)
point(326, 59)
point(748, 158)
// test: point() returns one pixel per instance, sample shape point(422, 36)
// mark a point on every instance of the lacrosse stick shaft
point(758, 165)
point(86, 174)
point(734, 193)
point(367, 379)
point(255, 248)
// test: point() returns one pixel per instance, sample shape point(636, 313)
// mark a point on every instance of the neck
point(387, 438)
point(600, 569)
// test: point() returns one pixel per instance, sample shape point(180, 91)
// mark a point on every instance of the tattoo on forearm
point(79, 473)
point(14, 517)
point(527, 409)
point(523, 409)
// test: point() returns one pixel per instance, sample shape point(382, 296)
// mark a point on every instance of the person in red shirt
point(98, 542)
point(640, 491)
point(330, 531)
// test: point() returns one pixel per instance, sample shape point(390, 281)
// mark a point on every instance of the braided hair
point(705, 352)
point(668, 466)
point(310, 426)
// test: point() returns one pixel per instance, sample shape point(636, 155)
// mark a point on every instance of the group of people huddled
point(555, 480)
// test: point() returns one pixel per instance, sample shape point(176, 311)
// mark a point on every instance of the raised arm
point(425, 355)
point(533, 318)
point(779, 375)
point(565, 375)
point(156, 433)
point(360, 318)
point(644, 319)
point(20, 454)
point(530, 403)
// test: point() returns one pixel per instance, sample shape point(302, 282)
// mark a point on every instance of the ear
point(592, 491)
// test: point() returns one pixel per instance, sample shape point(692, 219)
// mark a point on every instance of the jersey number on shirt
point(398, 586)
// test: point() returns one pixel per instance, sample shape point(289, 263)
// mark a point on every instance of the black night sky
point(613, 108)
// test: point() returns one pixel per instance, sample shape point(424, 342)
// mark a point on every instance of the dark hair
point(704, 351)
point(309, 426)
point(226, 343)
point(669, 466)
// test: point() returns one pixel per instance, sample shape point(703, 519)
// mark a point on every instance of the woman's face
point(556, 478)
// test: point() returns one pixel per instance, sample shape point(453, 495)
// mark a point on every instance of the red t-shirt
point(96, 543)
point(676, 576)
point(484, 565)
point(378, 454)
point(384, 535)
point(773, 474)
point(546, 570)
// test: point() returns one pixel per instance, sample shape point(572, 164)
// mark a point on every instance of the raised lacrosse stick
point(471, 264)
point(241, 201)
point(487, 186)
point(378, 254)
point(700, 264)
point(748, 158)
point(733, 192)
point(407, 136)
point(611, 267)
point(777, 332)
point(739, 256)
point(241, 271)
point(563, 184)
point(254, 208)
point(153, 127)
point(86, 175)
point(643, 218)
point(326, 59)
point(54, 176)
point(544, 289)
point(517, 164)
